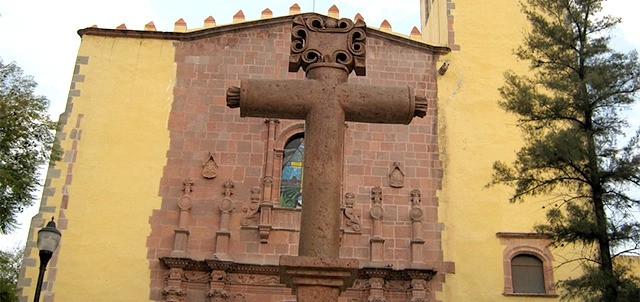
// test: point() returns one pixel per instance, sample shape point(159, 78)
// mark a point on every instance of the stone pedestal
point(315, 279)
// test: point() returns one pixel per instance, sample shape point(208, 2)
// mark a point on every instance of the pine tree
point(26, 142)
point(578, 148)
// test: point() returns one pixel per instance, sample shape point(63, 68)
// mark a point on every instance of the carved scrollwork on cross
point(252, 209)
point(312, 42)
point(352, 219)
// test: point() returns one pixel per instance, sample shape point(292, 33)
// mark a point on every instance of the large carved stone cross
point(327, 50)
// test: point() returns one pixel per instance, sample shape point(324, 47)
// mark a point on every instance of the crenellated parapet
point(181, 26)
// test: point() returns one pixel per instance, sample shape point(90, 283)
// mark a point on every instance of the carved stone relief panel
point(210, 168)
point(396, 176)
point(352, 219)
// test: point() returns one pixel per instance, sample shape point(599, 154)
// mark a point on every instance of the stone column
point(223, 234)
point(377, 214)
point(181, 238)
point(417, 242)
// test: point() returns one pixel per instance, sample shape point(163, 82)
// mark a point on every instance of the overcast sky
point(41, 36)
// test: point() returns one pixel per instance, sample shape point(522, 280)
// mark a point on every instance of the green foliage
point(578, 149)
point(588, 287)
point(26, 142)
point(10, 262)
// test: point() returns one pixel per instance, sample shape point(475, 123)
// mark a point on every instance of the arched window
point(527, 274)
point(291, 177)
point(528, 265)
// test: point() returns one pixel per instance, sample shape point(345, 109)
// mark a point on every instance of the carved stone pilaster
point(223, 235)
point(174, 289)
point(351, 219)
point(419, 290)
point(216, 292)
point(266, 206)
point(181, 236)
point(416, 215)
point(419, 287)
point(376, 284)
point(377, 214)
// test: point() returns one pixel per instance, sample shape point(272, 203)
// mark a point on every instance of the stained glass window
point(291, 179)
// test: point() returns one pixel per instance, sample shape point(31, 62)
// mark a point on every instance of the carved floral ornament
point(312, 42)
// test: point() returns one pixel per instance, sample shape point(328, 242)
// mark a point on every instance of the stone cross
point(328, 50)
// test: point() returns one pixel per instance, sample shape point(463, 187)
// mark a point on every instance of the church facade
point(166, 194)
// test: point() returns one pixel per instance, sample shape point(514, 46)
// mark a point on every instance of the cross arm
point(380, 104)
point(286, 99)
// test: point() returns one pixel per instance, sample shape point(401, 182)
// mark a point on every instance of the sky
point(41, 36)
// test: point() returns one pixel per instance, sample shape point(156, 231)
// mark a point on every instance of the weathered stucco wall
point(475, 132)
point(115, 140)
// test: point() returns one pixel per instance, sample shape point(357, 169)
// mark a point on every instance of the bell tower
point(434, 21)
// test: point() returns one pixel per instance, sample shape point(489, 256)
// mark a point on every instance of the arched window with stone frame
point(288, 166)
point(527, 275)
point(527, 264)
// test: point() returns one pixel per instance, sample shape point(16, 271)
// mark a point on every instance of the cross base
point(315, 279)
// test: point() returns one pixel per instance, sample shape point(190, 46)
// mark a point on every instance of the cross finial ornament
point(314, 43)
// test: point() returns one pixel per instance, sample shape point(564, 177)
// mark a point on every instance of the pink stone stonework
point(237, 234)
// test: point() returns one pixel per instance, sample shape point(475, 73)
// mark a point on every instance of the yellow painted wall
point(127, 99)
point(475, 132)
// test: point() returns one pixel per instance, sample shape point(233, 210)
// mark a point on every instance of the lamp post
point(48, 240)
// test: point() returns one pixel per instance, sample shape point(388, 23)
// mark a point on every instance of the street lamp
point(48, 240)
